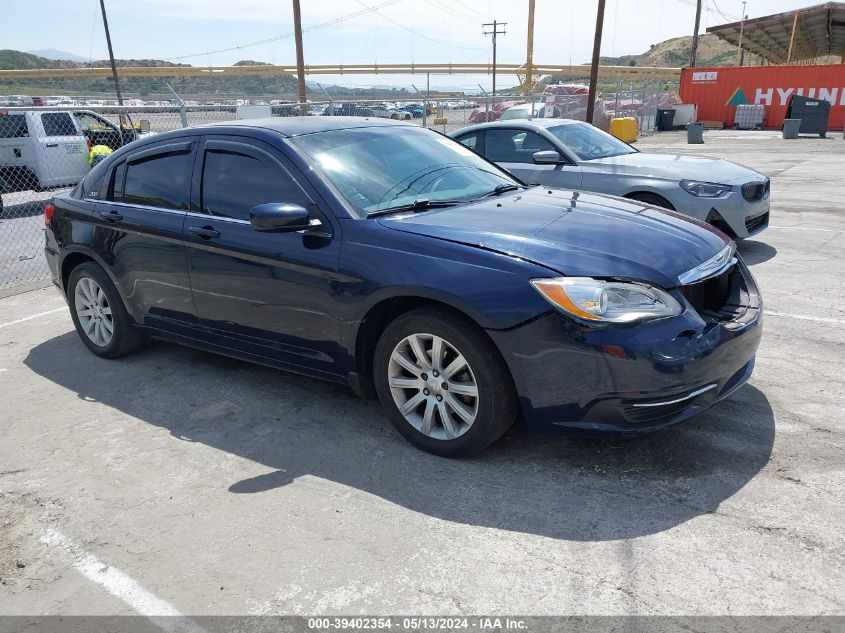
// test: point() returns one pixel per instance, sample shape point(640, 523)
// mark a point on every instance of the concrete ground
point(175, 479)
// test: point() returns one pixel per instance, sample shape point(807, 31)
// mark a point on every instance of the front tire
point(98, 313)
point(442, 383)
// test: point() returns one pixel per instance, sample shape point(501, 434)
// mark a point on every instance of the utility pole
point(300, 58)
point(111, 54)
point(594, 67)
point(495, 25)
point(741, 53)
point(695, 34)
point(529, 57)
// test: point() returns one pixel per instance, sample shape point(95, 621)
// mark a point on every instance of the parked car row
point(92, 102)
point(407, 265)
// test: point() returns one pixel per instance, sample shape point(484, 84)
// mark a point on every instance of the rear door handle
point(111, 216)
point(205, 232)
point(52, 144)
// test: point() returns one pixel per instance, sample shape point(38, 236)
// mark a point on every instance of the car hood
point(675, 167)
point(575, 233)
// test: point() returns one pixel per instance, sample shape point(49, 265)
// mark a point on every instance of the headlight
point(705, 189)
point(607, 301)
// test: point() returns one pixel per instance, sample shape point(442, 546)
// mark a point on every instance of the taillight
point(49, 210)
point(89, 144)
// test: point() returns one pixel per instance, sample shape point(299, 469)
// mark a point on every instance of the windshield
point(590, 143)
point(380, 168)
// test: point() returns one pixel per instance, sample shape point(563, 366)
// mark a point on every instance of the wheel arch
point(74, 257)
point(386, 310)
point(648, 191)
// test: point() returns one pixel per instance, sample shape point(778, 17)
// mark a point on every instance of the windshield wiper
point(500, 189)
point(416, 205)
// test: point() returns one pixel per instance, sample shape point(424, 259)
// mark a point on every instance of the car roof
point(527, 124)
point(299, 125)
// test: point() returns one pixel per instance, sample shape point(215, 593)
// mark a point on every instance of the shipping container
point(718, 91)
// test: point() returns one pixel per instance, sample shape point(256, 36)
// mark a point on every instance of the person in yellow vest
point(98, 153)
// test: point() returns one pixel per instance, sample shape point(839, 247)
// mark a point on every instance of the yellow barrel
point(624, 128)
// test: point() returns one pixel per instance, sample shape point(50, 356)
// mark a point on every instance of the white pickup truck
point(40, 149)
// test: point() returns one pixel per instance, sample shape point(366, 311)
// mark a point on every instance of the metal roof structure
point(803, 35)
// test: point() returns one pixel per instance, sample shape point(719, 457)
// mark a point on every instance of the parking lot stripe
point(32, 316)
point(804, 228)
point(804, 317)
point(161, 613)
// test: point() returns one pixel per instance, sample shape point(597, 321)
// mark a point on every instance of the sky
point(431, 31)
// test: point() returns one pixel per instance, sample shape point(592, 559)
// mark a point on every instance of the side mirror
point(546, 157)
point(279, 217)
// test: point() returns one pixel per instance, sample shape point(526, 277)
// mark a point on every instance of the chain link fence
point(46, 151)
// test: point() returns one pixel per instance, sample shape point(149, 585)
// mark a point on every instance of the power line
point(441, 6)
point(417, 33)
point(468, 8)
point(726, 16)
point(268, 40)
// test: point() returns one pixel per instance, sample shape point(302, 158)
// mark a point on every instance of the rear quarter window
point(470, 141)
point(13, 126)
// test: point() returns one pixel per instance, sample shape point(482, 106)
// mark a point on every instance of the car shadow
point(22, 210)
point(556, 487)
point(754, 252)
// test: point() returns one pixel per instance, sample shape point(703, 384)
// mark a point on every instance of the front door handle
point(205, 232)
point(111, 216)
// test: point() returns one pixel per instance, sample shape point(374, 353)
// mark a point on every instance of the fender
point(432, 294)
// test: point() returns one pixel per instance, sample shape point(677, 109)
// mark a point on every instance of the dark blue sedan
point(395, 260)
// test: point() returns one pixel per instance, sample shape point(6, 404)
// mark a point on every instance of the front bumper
point(732, 213)
point(573, 379)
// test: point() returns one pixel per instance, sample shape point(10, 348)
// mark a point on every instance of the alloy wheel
point(433, 386)
point(94, 312)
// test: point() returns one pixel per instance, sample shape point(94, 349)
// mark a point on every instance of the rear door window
point(13, 126)
point(161, 180)
point(58, 124)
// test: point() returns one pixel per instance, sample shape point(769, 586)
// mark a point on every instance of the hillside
point(280, 87)
point(18, 60)
point(675, 53)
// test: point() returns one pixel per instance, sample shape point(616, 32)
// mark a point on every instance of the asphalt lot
point(220, 487)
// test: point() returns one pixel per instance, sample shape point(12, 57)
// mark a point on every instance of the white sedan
point(571, 154)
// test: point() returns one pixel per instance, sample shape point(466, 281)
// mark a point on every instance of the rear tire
point(98, 313)
point(454, 387)
point(652, 199)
